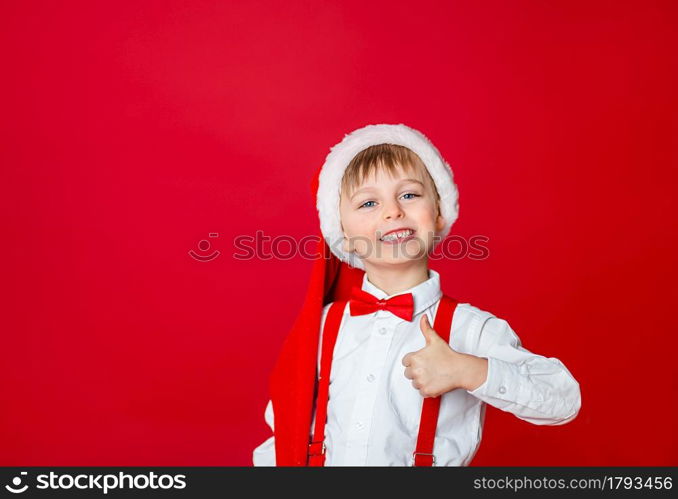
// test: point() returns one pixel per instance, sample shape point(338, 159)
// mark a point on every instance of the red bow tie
point(362, 302)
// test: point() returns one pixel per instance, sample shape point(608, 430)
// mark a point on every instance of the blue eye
point(365, 203)
point(411, 194)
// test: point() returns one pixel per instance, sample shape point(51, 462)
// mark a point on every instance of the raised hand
point(437, 368)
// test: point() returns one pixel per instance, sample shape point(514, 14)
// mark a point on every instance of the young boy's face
point(383, 203)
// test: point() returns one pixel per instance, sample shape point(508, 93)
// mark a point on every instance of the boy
point(390, 389)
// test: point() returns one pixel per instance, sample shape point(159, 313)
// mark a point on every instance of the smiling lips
point(398, 235)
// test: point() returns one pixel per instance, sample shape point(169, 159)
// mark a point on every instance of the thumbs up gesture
point(437, 368)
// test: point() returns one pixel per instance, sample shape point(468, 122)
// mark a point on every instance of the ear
point(440, 222)
point(344, 242)
point(345, 246)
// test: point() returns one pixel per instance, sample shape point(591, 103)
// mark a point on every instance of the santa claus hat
point(334, 273)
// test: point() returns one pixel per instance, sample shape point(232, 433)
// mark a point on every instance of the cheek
point(426, 217)
point(362, 246)
point(427, 222)
point(356, 225)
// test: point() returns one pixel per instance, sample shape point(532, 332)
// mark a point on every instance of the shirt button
point(370, 378)
point(502, 389)
point(359, 425)
point(382, 330)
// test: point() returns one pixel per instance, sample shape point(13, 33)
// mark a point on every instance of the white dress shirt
point(374, 411)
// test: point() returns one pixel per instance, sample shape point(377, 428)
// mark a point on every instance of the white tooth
point(396, 235)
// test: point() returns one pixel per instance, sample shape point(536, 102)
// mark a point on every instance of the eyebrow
point(403, 181)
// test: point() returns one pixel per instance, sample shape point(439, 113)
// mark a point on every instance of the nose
point(393, 211)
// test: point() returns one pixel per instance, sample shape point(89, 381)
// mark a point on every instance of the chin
point(393, 261)
point(412, 250)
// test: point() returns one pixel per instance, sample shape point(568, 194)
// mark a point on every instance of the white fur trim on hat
point(332, 172)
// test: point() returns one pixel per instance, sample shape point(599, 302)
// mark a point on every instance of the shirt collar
point(425, 294)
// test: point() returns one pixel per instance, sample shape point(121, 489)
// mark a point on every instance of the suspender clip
point(414, 458)
point(316, 448)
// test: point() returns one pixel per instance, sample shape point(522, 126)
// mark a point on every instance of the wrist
point(476, 372)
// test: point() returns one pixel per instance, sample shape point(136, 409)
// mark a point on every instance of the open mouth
point(398, 236)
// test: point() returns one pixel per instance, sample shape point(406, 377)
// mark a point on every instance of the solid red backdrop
point(137, 132)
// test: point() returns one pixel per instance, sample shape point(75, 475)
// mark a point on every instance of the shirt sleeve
point(264, 455)
point(534, 388)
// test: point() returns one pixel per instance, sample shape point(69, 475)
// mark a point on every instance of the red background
point(133, 130)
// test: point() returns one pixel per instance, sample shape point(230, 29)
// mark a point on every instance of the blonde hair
point(389, 157)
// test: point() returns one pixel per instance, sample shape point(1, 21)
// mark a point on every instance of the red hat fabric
point(293, 380)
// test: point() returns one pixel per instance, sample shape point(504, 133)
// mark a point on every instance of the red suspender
point(423, 455)
point(316, 449)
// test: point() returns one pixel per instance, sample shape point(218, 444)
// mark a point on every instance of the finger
point(426, 329)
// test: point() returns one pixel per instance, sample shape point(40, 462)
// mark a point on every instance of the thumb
point(426, 329)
